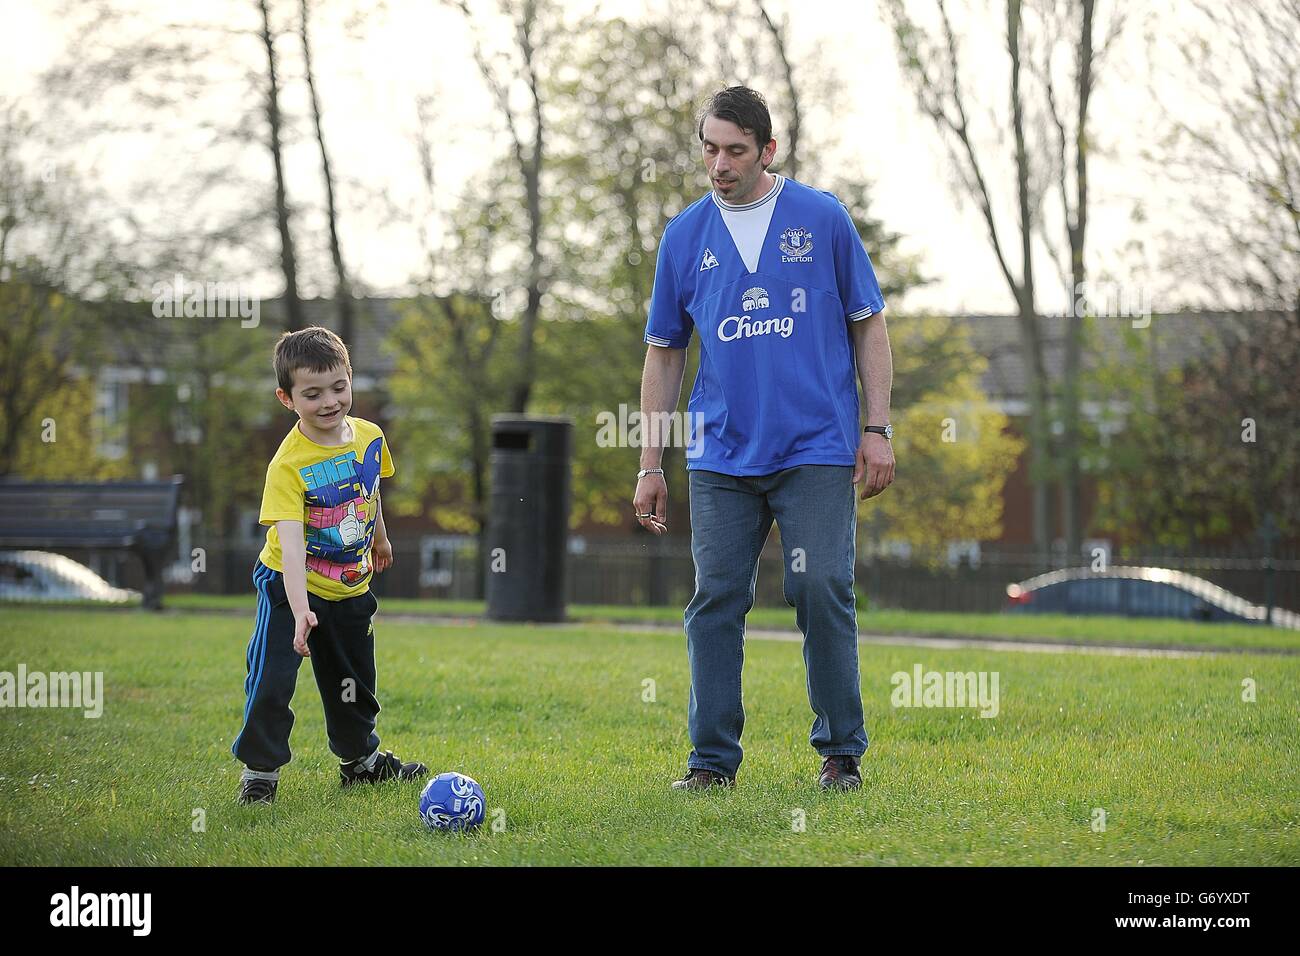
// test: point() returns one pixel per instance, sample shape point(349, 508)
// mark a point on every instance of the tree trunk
point(792, 151)
point(533, 184)
point(342, 288)
point(294, 316)
point(1030, 334)
point(1071, 493)
point(479, 465)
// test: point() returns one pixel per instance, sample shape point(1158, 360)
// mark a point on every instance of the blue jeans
point(815, 509)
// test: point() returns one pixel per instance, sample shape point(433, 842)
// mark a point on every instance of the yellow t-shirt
point(334, 492)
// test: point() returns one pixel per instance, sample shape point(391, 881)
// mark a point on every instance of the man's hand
point(651, 499)
point(875, 463)
point(381, 552)
point(304, 621)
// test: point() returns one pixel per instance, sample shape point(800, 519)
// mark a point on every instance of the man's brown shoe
point(698, 779)
point(840, 772)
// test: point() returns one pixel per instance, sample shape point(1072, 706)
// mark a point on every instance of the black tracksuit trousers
point(342, 658)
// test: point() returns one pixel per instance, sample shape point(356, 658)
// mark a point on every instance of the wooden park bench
point(136, 516)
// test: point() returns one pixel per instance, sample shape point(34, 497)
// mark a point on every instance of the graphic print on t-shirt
point(340, 521)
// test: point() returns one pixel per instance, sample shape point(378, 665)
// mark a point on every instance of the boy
point(313, 585)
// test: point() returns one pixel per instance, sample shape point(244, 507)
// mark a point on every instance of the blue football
point(452, 801)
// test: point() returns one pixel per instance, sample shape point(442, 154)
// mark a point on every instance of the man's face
point(321, 398)
point(733, 159)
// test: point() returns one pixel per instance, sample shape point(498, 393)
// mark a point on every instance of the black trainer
point(840, 772)
point(387, 767)
point(699, 779)
point(257, 790)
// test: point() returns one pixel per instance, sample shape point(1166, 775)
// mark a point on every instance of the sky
point(369, 88)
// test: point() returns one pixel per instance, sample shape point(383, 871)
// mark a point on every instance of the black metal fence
point(658, 572)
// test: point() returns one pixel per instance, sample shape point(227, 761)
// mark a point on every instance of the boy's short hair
point(314, 348)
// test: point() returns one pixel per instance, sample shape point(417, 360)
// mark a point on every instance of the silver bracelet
point(648, 471)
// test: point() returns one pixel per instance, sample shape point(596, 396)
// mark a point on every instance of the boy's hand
point(303, 624)
point(382, 554)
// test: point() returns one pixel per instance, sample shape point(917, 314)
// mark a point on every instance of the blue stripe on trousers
point(262, 575)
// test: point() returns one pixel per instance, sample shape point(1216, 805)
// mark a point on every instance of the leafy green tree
point(1207, 448)
point(455, 352)
point(954, 448)
point(50, 340)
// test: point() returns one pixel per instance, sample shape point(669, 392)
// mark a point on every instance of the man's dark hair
point(314, 348)
point(742, 106)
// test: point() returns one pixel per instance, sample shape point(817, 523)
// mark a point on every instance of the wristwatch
point(886, 430)
point(648, 471)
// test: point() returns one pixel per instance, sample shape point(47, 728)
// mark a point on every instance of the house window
point(185, 426)
point(181, 570)
point(441, 556)
point(963, 552)
point(109, 427)
point(251, 529)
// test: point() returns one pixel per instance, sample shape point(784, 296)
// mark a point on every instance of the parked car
point(45, 576)
point(1138, 592)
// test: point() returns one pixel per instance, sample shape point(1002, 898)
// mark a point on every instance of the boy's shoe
point(385, 767)
point(699, 779)
point(257, 789)
point(840, 772)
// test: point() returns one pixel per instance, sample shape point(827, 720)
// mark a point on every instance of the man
point(773, 275)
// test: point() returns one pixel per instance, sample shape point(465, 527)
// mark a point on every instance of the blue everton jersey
point(777, 383)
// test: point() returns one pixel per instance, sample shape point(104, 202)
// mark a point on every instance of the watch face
point(889, 431)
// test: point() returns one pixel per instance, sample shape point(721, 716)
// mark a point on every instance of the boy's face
point(321, 399)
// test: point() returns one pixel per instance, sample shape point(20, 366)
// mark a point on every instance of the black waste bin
point(528, 518)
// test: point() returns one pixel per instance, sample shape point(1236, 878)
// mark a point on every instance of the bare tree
point(530, 22)
point(1237, 163)
point(342, 286)
point(932, 63)
point(450, 376)
point(1076, 226)
point(778, 34)
point(294, 317)
point(1049, 127)
point(1068, 28)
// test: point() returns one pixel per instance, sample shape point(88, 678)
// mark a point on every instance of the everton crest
point(796, 245)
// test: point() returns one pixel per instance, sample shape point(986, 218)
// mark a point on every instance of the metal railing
point(653, 572)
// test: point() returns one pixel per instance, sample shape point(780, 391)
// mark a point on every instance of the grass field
point(1027, 627)
point(575, 764)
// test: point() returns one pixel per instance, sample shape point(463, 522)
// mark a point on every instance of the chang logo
point(755, 298)
point(743, 327)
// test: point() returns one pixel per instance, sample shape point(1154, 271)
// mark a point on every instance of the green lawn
point(1028, 627)
point(552, 723)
